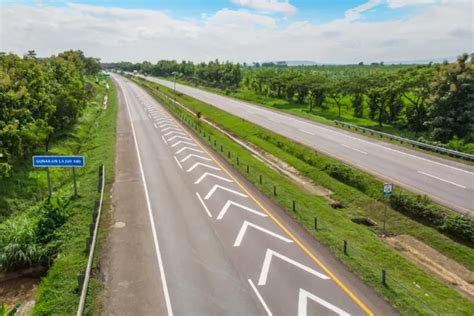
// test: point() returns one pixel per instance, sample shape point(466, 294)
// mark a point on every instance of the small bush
point(52, 216)
point(347, 175)
point(18, 246)
point(459, 226)
point(422, 208)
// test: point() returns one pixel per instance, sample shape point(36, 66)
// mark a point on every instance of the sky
point(331, 31)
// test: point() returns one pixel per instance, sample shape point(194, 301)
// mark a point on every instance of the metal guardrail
point(91, 241)
point(414, 143)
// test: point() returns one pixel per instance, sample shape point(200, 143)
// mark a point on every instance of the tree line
point(434, 100)
point(40, 97)
point(223, 75)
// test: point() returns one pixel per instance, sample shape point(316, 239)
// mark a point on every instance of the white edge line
point(306, 132)
point(355, 149)
point(204, 205)
point(177, 161)
point(150, 214)
point(441, 179)
point(269, 313)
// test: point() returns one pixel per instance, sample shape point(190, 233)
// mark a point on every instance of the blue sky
point(329, 31)
point(311, 10)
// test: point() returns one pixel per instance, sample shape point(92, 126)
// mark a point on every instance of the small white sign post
point(387, 191)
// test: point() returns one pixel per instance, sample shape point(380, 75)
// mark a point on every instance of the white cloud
point(401, 3)
point(268, 5)
point(355, 13)
point(438, 30)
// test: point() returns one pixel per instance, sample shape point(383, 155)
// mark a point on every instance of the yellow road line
point(283, 227)
point(286, 230)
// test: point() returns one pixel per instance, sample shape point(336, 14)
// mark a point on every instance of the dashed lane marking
point(247, 224)
point(303, 304)
point(262, 280)
point(189, 148)
point(217, 186)
point(183, 142)
point(204, 205)
point(211, 175)
point(177, 161)
point(260, 298)
point(197, 164)
point(230, 203)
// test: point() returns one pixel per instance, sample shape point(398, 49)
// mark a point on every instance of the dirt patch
point(303, 182)
point(446, 269)
point(19, 287)
point(19, 291)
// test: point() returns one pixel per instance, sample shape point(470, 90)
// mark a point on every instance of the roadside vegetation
point(428, 103)
point(410, 289)
point(52, 106)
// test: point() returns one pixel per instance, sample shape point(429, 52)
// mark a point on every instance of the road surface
point(447, 182)
point(221, 248)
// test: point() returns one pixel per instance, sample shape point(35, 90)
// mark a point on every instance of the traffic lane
point(232, 106)
point(456, 184)
point(131, 286)
point(273, 254)
point(237, 227)
point(392, 168)
point(200, 278)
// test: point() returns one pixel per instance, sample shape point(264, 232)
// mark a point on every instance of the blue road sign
point(58, 161)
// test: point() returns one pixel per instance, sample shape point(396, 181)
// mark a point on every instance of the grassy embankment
point(93, 136)
point(327, 115)
point(368, 254)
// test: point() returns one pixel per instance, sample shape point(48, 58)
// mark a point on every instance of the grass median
point(410, 289)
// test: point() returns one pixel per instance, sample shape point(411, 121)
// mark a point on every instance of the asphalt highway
point(220, 248)
point(448, 182)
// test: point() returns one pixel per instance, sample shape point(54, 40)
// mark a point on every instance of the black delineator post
point(80, 280)
point(88, 244)
point(345, 247)
point(274, 190)
point(384, 278)
point(228, 154)
point(222, 148)
point(315, 223)
point(260, 179)
point(215, 143)
point(238, 161)
point(294, 206)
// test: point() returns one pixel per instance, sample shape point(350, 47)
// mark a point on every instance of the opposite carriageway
point(448, 182)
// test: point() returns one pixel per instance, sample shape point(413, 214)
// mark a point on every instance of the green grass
point(94, 137)
point(368, 254)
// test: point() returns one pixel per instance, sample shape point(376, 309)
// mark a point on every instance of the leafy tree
point(452, 101)
point(415, 89)
point(336, 91)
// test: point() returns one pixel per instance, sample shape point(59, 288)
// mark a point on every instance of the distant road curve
point(448, 182)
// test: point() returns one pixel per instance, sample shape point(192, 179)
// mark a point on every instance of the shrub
point(459, 226)
point(347, 175)
point(52, 216)
point(18, 246)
